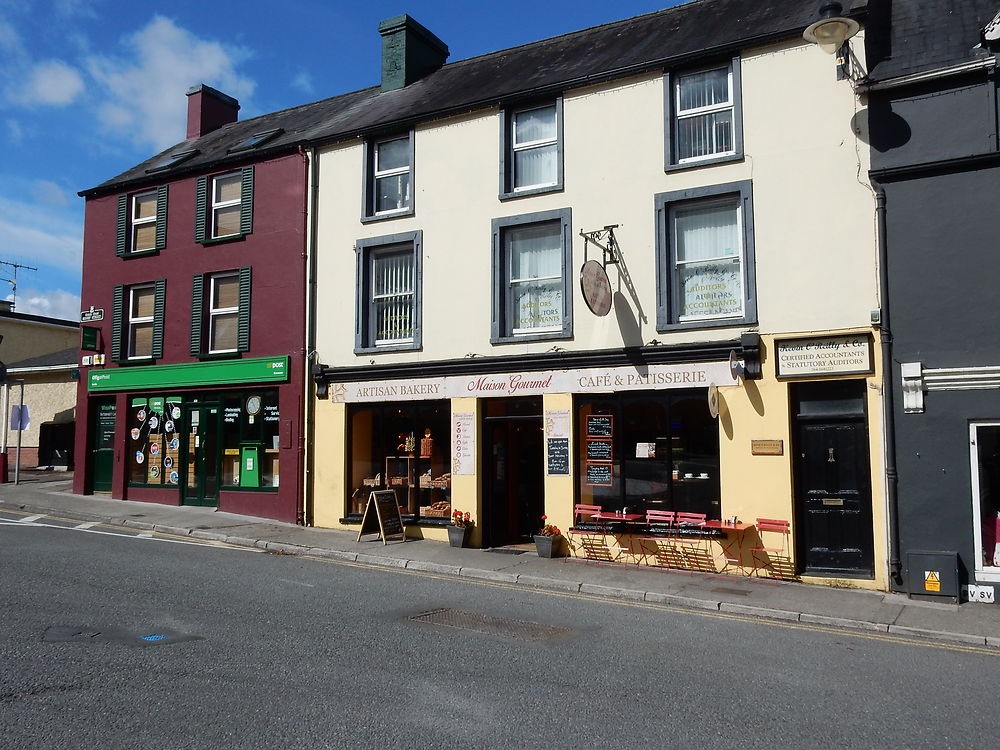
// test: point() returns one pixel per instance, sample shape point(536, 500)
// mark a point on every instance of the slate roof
point(914, 36)
point(53, 359)
point(679, 35)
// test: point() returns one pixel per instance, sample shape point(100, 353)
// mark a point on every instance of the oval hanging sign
point(596, 287)
point(713, 400)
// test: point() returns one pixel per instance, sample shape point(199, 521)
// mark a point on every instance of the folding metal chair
point(776, 558)
point(658, 547)
point(694, 550)
point(592, 540)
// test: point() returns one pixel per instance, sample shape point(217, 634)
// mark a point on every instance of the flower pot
point(548, 546)
point(458, 536)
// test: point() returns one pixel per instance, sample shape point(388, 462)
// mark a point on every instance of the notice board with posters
point(382, 517)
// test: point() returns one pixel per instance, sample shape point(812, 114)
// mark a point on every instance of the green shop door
point(200, 454)
point(102, 452)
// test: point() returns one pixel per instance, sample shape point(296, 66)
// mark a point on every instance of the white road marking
point(298, 583)
point(85, 526)
point(31, 519)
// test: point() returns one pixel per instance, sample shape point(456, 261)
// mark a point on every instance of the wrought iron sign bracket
point(604, 239)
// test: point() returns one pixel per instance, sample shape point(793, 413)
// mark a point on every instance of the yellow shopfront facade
point(631, 435)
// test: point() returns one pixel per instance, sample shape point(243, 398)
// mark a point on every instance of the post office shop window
point(224, 206)
point(648, 451)
point(137, 322)
point(705, 257)
point(703, 115)
point(532, 256)
point(153, 441)
point(532, 156)
point(388, 304)
point(388, 177)
point(220, 313)
point(142, 222)
point(403, 447)
point(251, 442)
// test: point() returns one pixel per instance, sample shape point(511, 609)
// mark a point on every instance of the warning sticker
point(932, 580)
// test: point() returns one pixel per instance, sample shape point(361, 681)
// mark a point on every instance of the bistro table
point(732, 547)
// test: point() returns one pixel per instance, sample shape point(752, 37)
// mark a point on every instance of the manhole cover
point(492, 625)
point(88, 634)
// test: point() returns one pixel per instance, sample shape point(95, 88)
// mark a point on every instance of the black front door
point(200, 455)
point(514, 482)
point(833, 487)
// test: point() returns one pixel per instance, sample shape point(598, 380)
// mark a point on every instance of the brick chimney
point(409, 52)
point(208, 110)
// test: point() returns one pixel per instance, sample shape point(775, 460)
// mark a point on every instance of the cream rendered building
point(458, 361)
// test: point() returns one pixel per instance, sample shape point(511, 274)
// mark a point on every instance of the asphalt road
point(301, 653)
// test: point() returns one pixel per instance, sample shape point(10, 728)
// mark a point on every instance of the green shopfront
point(210, 433)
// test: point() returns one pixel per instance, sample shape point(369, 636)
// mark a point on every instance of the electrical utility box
point(932, 574)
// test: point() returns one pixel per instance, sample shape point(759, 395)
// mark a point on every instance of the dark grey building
point(932, 106)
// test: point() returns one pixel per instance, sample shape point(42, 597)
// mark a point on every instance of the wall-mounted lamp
point(831, 33)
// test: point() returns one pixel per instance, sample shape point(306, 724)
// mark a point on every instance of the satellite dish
point(736, 365)
point(713, 400)
point(596, 287)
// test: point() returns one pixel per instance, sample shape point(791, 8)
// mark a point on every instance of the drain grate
point(491, 625)
point(87, 634)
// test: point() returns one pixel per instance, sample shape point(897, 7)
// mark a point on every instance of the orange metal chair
point(774, 558)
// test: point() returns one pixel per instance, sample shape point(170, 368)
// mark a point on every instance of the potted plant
point(548, 541)
point(461, 526)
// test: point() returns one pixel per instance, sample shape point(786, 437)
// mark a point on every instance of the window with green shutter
point(142, 222)
point(224, 206)
point(137, 316)
point(220, 313)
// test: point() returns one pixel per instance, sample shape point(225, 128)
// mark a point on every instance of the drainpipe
point(310, 400)
point(888, 389)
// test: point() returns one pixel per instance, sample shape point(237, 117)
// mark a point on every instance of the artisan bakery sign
point(826, 355)
point(595, 380)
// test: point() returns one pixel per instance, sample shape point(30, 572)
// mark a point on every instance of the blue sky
point(89, 88)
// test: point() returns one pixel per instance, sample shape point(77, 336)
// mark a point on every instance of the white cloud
point(46, 191)
point(15, 132)
point(10, 40)
point(53, 83)
point(303, 82)
point(55, 303)
point(42, 234)
point(143, 96)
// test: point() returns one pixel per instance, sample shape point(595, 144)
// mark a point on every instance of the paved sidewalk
point(50, 493)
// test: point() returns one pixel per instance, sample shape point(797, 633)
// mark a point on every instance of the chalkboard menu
point(382, 516)
point(558, 456)
point(599, 450)
point(599, 425)
point(599, 475)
